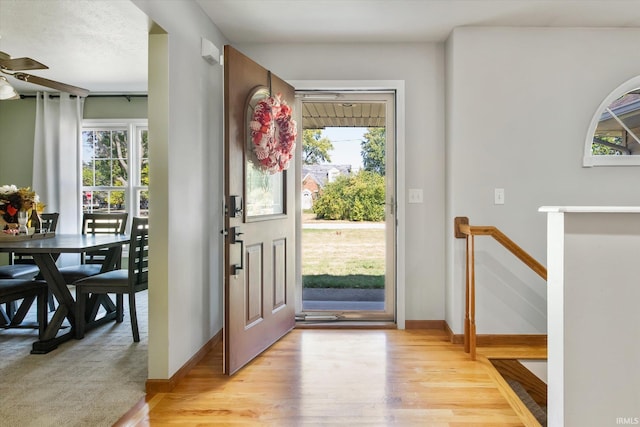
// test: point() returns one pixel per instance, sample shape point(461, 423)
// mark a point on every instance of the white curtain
point(57, 157)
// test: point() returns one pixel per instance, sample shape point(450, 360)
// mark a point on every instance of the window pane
point(88, 201)
point(102, 143)
point(144, 159)
point(102, 172)
point(119, 147)
point(144, 136)
point(116, 201)
point(87, 174)
point(144, 203)
point(119, 173)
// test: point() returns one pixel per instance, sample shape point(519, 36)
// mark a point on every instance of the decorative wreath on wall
point(273, 134)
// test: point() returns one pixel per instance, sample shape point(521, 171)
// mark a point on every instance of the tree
point(373, 150)
point(315, 150)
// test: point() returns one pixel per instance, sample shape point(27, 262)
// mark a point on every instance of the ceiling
point(102, 45)
point(318, 115)
point(97, 45)
point(369, 21)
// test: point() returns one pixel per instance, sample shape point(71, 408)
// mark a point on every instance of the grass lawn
point(349, 258)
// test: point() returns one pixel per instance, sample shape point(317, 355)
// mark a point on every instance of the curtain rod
point(127, 96)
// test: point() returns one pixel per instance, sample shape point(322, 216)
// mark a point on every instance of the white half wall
point(519, 102)
point(421, 67)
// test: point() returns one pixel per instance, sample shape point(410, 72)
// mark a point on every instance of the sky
point(346, 144)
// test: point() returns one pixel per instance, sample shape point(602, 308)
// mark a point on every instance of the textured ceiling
point(98, 45)
point(102, 44)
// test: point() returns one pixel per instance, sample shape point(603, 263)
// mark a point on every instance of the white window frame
point(134, 128)
point(589, 160)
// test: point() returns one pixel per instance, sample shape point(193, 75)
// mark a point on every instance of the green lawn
point(345, 258)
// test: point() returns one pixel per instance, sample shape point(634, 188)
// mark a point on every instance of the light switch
point(498, 196)
point(415, 195)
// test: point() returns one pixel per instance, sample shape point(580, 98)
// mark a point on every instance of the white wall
point(421, 67)
point(594, 340)
point(519, 102)
point(185, 308)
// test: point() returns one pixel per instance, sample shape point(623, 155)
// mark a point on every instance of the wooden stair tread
point(537, 352)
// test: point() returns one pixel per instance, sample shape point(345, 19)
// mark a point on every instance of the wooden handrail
point(510, 245)
point(463, 230)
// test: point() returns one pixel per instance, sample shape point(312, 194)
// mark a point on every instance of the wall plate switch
point(415, 195)
point(498, 196)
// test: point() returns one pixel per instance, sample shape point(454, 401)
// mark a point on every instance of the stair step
point(536, 410)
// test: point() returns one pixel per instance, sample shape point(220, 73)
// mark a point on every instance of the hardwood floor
point(339, 377)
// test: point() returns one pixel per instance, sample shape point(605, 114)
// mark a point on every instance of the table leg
point(65, 310)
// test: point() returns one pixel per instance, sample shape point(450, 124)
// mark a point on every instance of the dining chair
point(91, 262)
point(22, 266)
point(134, 278)
point(26, 290)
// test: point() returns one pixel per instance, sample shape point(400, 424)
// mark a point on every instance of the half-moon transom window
point(614, 134)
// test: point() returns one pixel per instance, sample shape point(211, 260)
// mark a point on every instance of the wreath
point(273, 134)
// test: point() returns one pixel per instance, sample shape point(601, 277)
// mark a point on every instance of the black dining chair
point(26, 291)
point(134, 278)
point(91, 262)
point(22, 266)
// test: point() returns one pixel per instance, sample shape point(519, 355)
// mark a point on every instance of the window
point(115, 167)
point(614, 134)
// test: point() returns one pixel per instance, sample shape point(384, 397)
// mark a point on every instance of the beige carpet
point(88, 382)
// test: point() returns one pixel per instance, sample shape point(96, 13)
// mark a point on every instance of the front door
point(260, 209)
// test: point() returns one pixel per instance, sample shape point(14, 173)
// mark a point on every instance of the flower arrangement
point(273, 134)
point(12, 200)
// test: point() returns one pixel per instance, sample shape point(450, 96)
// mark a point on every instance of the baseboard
point(154, 386)
point(499, 339)
point(425, 324)
point(454, 338)
point(513, 339)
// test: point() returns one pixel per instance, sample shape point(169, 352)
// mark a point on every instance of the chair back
point(49, 222)
point(102, 223)
point(139, 255)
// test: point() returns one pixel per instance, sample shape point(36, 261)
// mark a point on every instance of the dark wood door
point(260, 220)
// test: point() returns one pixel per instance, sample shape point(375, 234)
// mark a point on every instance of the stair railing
point(465, 231)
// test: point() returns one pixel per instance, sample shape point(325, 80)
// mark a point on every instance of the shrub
point(360, 197)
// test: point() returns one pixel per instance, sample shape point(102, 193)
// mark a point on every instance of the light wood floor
point(339, 377)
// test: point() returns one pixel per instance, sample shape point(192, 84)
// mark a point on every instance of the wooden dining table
point(45, 250)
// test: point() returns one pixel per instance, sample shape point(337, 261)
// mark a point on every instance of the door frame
point(367, 85)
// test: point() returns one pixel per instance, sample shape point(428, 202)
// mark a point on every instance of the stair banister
point(463, 230)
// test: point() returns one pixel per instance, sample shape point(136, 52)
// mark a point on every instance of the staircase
point(525, 392)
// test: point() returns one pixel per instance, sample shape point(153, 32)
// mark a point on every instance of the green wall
point(17, 121)
point(115, 108)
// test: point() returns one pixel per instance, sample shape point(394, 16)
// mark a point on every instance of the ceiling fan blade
point(19, 64)
point(73, 90)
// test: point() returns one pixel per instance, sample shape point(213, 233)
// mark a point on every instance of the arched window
point(613, 138)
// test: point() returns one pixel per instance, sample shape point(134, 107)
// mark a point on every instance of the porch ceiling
point(318, 115)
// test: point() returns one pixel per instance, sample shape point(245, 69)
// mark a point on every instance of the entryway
point(348, 197)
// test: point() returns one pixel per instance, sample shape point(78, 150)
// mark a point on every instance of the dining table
point(45, 250)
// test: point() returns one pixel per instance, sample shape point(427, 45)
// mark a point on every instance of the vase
point(22, 222)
